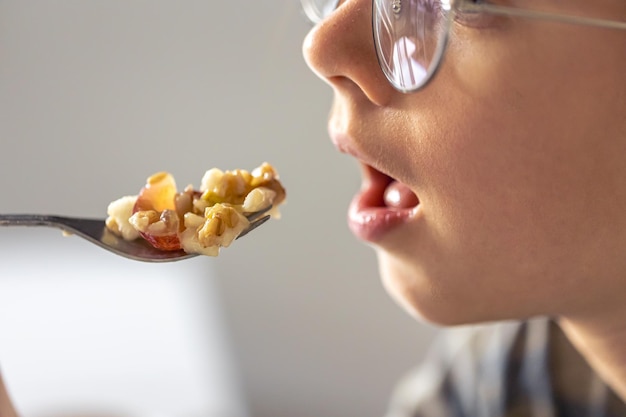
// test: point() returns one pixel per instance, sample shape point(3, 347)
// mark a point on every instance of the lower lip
point(370, 223)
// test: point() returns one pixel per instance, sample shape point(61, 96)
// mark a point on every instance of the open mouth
point(382, 204)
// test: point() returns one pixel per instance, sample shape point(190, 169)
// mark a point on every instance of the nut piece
point(119, 212)
point(219, 227)
point(225, 187)
point(258, 199)
point(154, 223)
point(222, 225)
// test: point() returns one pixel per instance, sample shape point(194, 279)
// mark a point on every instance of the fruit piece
point(154, 214)
point(158, 193)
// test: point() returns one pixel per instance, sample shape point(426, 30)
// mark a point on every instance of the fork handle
point(29, 220)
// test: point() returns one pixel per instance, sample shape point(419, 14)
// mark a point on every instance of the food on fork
point(196, 221)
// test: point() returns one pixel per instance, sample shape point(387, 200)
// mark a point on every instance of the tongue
point(398, 195)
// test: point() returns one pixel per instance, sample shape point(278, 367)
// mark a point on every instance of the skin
point(516, 152)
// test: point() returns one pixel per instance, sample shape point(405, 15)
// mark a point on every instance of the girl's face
point(515, 153)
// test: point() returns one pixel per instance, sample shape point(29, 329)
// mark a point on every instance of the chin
point(428, 297)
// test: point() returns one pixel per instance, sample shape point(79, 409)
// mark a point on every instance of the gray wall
point(97, 95)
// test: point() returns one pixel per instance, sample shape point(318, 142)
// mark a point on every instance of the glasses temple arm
point(466, 6)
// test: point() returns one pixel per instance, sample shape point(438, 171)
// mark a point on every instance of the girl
point(492, 140)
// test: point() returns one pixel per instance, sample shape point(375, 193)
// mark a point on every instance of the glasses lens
point(410, 36)
point(317, 10)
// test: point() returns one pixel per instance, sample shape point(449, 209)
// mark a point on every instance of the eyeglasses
point(410, 36)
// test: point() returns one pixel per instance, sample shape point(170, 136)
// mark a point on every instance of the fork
point(95, 231)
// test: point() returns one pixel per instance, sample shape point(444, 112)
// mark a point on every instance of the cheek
point(517, 215)
point(518, 168)
point(513, 178)
point(517, 211)
point(522, 185)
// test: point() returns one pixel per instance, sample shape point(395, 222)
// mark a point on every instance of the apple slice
point(155, 216)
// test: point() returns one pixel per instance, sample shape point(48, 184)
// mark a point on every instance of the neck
point(601, 339)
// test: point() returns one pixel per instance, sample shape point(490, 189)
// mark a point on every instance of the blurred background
point(95, 96)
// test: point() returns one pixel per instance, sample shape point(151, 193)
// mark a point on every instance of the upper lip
point(346, 144)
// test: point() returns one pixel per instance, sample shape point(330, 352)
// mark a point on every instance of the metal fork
point(95, 231)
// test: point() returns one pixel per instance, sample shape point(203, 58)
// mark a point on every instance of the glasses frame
point(313, 12)
point(437, 57)
point(468, 6)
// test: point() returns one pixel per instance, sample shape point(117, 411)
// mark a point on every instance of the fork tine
point(257, 214)
point(253, 225)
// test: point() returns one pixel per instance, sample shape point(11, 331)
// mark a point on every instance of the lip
point(368, 216)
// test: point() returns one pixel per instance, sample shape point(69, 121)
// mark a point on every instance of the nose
point(340, 50)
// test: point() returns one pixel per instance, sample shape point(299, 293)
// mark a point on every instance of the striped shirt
point(509, 369)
